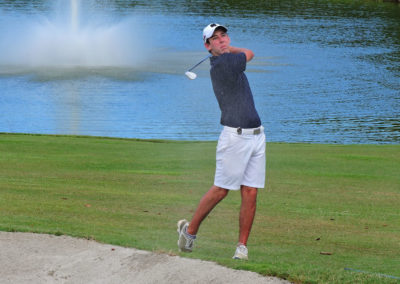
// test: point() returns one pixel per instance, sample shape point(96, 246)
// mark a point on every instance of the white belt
point(245, 131)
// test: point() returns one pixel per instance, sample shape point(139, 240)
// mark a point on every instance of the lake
point(323, 72)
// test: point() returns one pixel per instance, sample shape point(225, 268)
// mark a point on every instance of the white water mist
point(62, 39)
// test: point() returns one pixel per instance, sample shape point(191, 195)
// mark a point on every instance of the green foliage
point(338, 200)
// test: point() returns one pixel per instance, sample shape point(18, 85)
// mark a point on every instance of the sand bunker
point(36, 258)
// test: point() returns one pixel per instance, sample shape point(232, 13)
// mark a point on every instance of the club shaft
point(208, 56)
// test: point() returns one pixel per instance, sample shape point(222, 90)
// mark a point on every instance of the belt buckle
point(257, 131)
point(239, 130)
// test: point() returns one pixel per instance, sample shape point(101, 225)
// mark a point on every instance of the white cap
point(209, 30)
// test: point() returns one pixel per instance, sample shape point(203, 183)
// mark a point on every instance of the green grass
point(341, 199)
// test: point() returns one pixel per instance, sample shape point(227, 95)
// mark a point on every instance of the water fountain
point(64, 40)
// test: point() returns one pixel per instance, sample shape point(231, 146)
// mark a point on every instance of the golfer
point(240, 157)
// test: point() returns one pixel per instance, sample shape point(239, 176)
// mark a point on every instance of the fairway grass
point(328, 214)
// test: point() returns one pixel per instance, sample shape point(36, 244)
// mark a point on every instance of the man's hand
point(249, 54)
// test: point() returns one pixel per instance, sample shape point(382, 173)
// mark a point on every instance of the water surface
point(324, 71)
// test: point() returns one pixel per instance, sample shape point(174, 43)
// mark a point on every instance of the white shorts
point(240, 159)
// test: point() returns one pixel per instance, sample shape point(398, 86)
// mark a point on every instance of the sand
point(39, 258)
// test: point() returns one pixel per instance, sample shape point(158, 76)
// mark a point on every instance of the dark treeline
point(246, 8)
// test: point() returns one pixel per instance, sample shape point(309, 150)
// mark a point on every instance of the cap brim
point(221, 28)
point(224, 29)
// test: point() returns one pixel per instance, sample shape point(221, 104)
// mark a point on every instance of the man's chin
point(220, 52)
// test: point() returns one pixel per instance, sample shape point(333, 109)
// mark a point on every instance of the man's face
point(218, 43)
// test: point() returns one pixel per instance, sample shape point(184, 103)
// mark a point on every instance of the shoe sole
point(181, 224)
point(241, 258)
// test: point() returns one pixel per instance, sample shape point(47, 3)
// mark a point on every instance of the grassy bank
point(340, 200)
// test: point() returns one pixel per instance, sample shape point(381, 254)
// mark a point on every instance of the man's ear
point(207, 46)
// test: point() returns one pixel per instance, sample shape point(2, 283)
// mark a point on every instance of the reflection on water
point(324, 71)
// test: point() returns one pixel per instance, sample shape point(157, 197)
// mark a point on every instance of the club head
point(190, 75)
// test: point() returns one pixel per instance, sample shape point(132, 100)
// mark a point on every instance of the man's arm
point(249, 54)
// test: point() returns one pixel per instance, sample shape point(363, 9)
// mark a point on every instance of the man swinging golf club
point(240, 157)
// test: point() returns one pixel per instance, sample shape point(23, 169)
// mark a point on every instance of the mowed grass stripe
point(339, 199)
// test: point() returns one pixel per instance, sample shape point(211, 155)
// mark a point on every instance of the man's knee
point(219, 191)
point(249, 192)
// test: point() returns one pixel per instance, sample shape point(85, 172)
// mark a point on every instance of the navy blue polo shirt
point(232, 91)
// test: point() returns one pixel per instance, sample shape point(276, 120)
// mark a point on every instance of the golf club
point(191, 75)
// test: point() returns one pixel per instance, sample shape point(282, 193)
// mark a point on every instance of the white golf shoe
point(241, 252)
point(185, 241)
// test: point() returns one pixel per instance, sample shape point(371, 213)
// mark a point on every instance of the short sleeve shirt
point(232, 91)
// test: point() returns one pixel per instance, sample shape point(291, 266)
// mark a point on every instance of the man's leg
point(187, 231)
point(213, 196)
point(247, 212)
point(246, 218)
